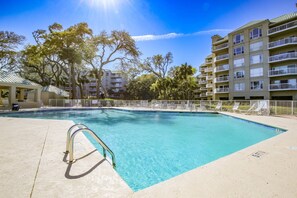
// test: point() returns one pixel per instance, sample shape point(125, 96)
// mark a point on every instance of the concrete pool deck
point(32, 164)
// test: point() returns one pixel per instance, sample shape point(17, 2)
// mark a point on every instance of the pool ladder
point(84, 128)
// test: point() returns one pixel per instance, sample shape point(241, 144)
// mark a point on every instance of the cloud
point(153, 37)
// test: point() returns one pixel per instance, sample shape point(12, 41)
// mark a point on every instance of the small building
point(15, 89)
point(52, 92)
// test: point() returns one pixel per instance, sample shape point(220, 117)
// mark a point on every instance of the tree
point(185, 82)
point(9, 43)
point(139, 88)
point(158, 64)
point(104, 49)
point(63, 50)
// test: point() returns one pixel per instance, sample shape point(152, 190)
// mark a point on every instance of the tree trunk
point(73, 81)
point(81, 90)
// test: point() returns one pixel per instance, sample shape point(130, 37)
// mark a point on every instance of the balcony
point(283, 71)
point(222, 57)
point(202, 76)
point(222, 90)
point(220, 47)
point(221, 68)
point(221, 79)
point(209, 77)
point(208, 69)
point(283, 86)
point(283, 42)
point(202, 82)
point(282, 28)
point(283, 57)
point(203, 88)
point(209, 93)
point(202, 95)
point(201, 69)
point(209, 85)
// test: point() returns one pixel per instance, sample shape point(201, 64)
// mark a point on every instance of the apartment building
point(113, 83)
point(255, 61)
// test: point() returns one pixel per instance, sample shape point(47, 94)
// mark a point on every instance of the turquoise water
point(151, 147)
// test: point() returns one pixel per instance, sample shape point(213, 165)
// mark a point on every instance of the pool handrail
point(98, 140)
point(79, 125)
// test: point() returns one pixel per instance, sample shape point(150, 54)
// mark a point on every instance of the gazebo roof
point(7, 78)
point(56, 90)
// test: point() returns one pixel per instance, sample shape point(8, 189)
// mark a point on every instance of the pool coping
point(182, 185)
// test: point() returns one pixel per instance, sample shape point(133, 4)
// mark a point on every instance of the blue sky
point(183, 27)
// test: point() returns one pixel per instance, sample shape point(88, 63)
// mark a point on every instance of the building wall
point(287, 78)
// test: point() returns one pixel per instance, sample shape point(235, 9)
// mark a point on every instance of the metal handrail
point(71, 140)
point(80, 126)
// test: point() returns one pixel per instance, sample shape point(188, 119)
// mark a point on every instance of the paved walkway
point(32, 164)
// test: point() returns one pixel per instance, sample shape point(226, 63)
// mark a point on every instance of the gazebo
point(14, 89)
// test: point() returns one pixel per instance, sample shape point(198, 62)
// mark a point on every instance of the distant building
point(255, 61)
point(52, 92)
point(113, 83)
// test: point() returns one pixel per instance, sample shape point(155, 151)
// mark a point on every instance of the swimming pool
point(151, 147)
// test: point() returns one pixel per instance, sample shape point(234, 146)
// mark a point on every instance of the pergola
point(17, 87)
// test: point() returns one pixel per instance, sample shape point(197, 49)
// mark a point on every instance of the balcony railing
point(209, 77)
point(221, 68)
point(290, 69)
point(283, 27)
point(283, 86)
point(209, 93)
point(209, 85)
point(222, 57)
point(203, 88)
point(201, 69)
point(282, 42)
point(220, 47)
point(208, 69)
point(221, 79)
point(283, 56)
point(203, 95)
point(201, 82)
point(222, 90)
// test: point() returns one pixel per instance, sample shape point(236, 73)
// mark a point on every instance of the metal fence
point(263, 107)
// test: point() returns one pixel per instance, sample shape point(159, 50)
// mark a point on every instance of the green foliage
point(139, 88)
point(9, 43)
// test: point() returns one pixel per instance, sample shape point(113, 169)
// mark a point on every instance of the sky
point(183, 27)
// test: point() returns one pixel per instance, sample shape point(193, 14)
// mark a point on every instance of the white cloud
point(152, 37)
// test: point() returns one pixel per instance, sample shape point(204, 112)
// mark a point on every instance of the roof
point(249, 24)
point(284, 17)
point(55, 90)
point(12, 78)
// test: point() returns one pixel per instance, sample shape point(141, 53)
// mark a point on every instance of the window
point(238, 38)
point(256, 46)
point(256, 72)
point(239, 74)
point(238, 50)
point(255, 59)
point(238, 62)
point(257, 85)
point(255, 33)
point(239, 87)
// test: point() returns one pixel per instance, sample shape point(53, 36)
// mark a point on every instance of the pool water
point(151, 147)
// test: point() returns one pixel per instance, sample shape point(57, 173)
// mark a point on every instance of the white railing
point(221, 68)
point(283, 56)
point(209, 77)
point(222, 90)
point(283, 86)
point(290, 69)
point(281, 28)
point(220, 47)
point(209, 85)
point(209, 93)
point(208, 69)
point(203, 95)
point(201, 69)
point(271, 107)
point(282, 42)
point(221, 79)
point(203, 88)
point(201, 82)
point(222, 57)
